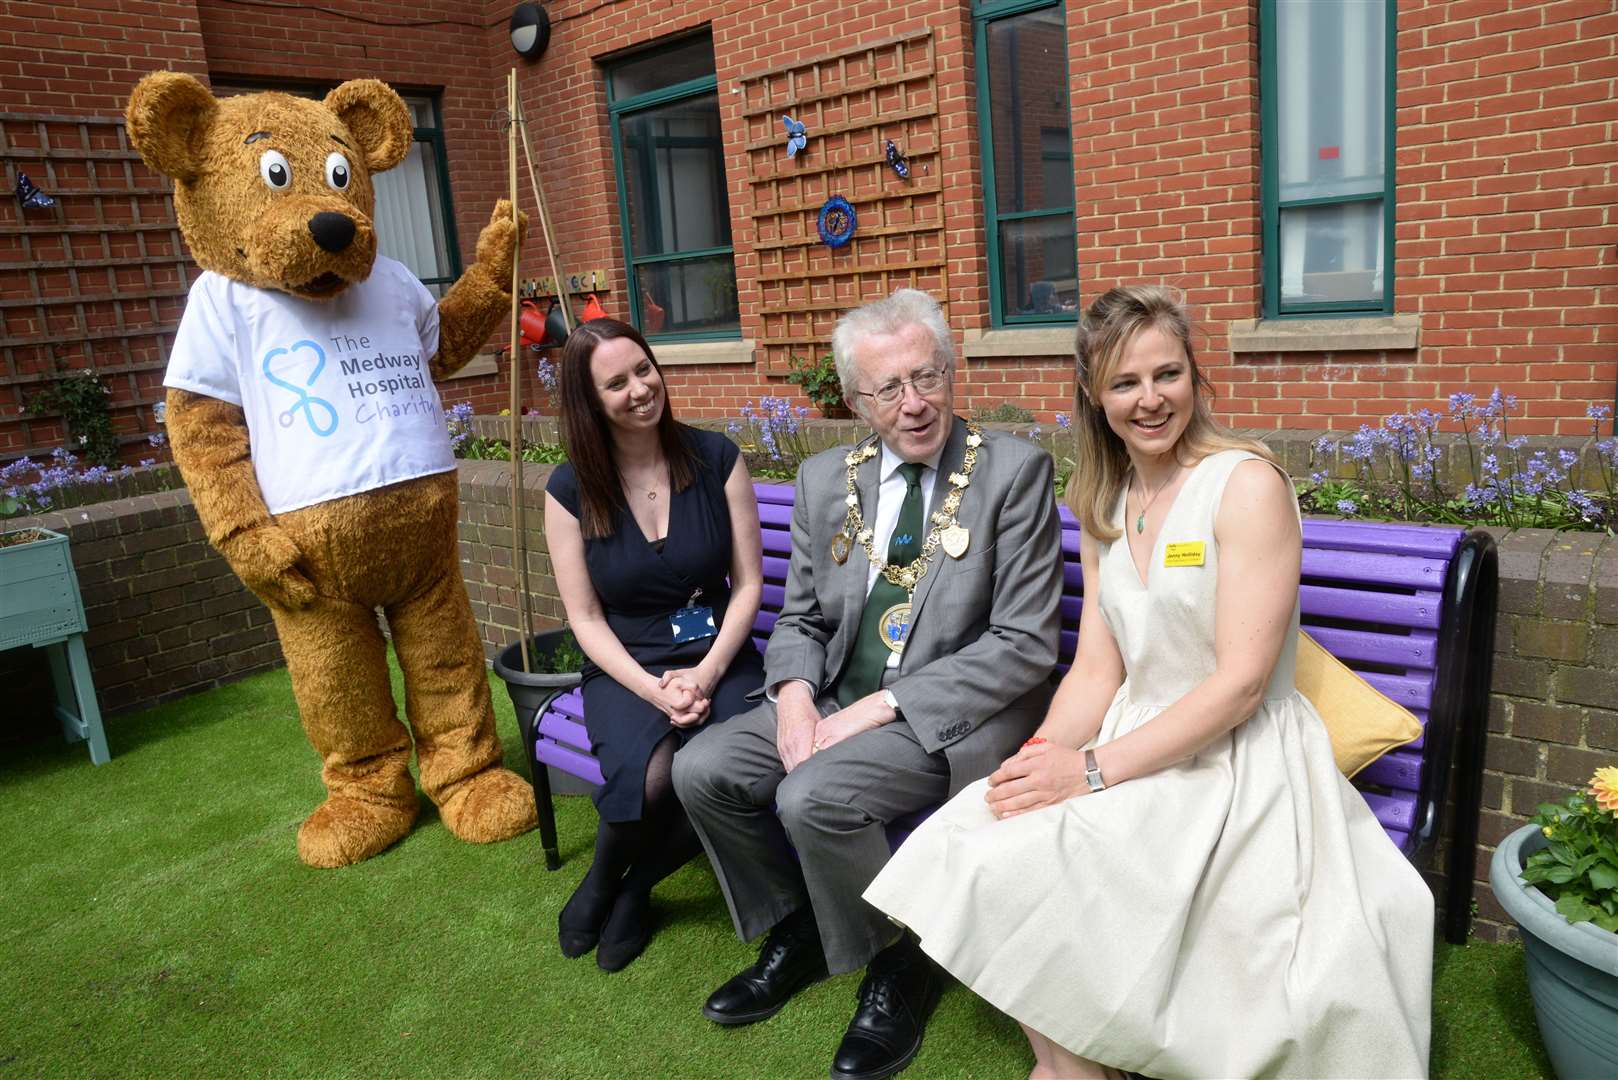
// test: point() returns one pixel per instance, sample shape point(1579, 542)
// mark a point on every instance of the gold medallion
point(954, 540)
point(841, 545)
point(894, 627)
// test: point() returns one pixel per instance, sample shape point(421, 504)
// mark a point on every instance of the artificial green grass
point(157, 922)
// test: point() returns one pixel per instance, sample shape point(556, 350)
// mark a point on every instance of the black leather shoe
point(791, 959)
point(899, 992)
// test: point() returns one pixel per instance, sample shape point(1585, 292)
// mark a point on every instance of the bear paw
point(495, 804)
point(344, 831)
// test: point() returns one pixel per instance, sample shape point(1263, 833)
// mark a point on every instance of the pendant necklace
point(1140, 520)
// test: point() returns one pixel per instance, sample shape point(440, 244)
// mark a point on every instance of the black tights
point(633, 856)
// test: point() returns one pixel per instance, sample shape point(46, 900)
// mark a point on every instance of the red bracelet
point(1034, 741)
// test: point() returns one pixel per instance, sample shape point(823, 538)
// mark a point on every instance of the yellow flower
point(1550, 834)
point(1604, 786)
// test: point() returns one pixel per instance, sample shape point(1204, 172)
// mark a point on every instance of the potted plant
point(1558, 878)
point(555, 665)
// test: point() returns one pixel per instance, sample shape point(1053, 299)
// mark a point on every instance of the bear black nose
point(332, 231)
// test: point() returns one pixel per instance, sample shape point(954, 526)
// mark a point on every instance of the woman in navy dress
point(654, 540)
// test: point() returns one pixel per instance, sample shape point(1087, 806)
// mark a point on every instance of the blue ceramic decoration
point(797, 135)
point(898, 161)
point(32, 198)
point(836, 222)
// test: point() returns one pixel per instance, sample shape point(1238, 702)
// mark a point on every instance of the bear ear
point(377, 117)
point(168, 118)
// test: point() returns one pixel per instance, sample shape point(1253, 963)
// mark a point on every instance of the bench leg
point(539, 777)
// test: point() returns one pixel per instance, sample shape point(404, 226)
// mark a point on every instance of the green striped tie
point(864, 671)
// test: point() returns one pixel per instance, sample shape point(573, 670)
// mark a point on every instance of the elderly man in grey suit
point(912, 656)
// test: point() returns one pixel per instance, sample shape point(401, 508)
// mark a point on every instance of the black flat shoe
point(899, 992)
point(791, 959)
point(578, 933)
point(626, 932)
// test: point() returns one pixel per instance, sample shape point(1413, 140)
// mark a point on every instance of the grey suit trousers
point(832, 809)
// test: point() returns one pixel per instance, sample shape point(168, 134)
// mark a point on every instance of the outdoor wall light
point(530, 30)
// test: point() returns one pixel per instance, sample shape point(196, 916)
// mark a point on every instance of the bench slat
point(1408, 690)
point(1413, 651)
point(1375, 569)
point(1393, 811)
point(1399, 770)
point(1420, 610)
point(565, 730)
point(572, 762)
point(1431, 541)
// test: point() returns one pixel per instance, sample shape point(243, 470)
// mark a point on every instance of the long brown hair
point(1105, 331)
point(585, 433)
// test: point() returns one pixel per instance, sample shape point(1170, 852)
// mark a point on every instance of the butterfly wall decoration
point(797, 135)
point(898, 161)
point(30, 196)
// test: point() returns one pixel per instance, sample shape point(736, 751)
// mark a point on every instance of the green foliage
point(1007, 412)
point(480, 449)
point(82, 400)
point(1579, 870)
point(563, 659)
point(820, 383)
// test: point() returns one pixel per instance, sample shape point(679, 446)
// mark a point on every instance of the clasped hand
point(682, 695)
point(1038, 775)
point(801, 731)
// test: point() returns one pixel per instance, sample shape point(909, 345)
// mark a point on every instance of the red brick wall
point(1507, 233)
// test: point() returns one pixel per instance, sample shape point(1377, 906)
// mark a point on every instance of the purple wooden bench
point(1410, 607)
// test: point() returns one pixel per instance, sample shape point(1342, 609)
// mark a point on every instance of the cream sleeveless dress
point(1238, 914)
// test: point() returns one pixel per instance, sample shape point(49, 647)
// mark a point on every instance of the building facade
point(1371, 205)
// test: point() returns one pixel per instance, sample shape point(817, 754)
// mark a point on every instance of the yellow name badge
point(1188, 553)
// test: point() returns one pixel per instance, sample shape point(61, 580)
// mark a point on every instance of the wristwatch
point(891, 702)
point(1092, 771)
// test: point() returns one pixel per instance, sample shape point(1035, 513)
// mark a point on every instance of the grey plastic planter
point(531, 693)
point(1572, 969)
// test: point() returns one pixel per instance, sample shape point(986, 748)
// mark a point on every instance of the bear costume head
point(305, 227)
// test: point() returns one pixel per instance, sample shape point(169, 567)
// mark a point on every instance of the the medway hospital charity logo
point(376, 399)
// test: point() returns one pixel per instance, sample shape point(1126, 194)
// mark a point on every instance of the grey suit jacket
point(974, 680)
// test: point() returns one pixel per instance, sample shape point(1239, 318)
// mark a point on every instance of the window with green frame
point(1327, 98)
point(414, 220)
point(675, 212)
point(1024, 128)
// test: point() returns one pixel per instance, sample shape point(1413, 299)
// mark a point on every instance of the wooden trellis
point(852, 103)
point(96, 282)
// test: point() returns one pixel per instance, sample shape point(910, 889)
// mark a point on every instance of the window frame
point(985, 12)
point(1270, 183)
point(617, 109)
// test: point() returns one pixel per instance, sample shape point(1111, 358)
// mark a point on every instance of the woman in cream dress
point(1223, 904)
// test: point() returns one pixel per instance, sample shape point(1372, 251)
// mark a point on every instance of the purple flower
point(1346, 507)
point(157, 438)
point(1064, 421)
point(547, 376)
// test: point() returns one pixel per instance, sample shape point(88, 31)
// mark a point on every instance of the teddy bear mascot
point(303, 415)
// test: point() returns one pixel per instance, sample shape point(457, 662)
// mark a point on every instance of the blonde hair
point(1103, 468)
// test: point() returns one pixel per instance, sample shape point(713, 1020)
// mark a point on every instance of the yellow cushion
point(1363, 723)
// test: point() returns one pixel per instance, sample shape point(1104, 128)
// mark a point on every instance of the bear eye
point(275, 170)
point(337, 173)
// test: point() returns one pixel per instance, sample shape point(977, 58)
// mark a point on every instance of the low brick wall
point(167, 616)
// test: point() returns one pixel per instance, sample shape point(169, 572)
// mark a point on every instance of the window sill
point(485, 363)
point(1021, 341)
point(703, 352)
point(1380, 333)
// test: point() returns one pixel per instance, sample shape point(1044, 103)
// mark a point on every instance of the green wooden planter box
point(40, 606)
point(39, 593)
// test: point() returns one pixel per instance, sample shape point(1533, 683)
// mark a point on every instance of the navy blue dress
point(640, 588)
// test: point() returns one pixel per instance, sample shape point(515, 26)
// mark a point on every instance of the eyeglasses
point(926, 381)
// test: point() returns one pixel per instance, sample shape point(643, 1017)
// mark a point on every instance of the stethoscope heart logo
point(307, 403)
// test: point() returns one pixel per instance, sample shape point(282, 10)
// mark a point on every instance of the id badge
point(693, 623)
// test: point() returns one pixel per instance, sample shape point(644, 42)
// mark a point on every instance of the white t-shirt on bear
point(337, 393)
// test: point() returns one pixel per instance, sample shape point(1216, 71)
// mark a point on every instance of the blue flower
point(1064, 421)
point(1346, 507)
